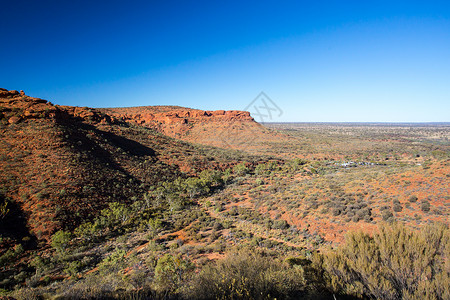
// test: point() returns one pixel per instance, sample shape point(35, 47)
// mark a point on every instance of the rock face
point(16, 107)
point(157, 115)
point(225, 129)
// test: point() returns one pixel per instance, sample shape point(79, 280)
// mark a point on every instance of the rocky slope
point(226, 129)
point(63, 164)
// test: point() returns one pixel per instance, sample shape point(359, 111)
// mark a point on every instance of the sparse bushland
point(157, 218)
point(395, 263)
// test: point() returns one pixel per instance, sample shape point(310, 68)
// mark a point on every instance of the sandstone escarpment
point(16, 107)
point(226, 129)
point(157, 115)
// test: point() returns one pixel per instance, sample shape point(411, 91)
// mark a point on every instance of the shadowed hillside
point(63, 164)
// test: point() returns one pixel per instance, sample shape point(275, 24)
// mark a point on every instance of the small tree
point(240, 169)
point(60, 240)
point(211, 177)
point(170, 273)
point(116, 214)
point(4, 210)
point(196, 187)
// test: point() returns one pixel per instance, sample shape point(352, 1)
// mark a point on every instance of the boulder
point(14, 120)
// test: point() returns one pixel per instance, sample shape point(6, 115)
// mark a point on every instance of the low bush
point(425, 206)
point(248, 275)
point(60, 240)
point(413, 199)
point(394, 263)
point(241, 169)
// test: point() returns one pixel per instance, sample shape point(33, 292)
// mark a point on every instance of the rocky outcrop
point(225, 129)
point(16, 107)
point(220, 128)
point(154, 116)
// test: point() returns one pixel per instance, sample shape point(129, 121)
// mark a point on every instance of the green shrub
point(413, 199)
point(397, 207)
point(387, 215)
point(259, 181)
point(241, 169)
point(425, 206)
point(4, 210)
point(280, 224)
point(40, 264)
point(171, 272)
point(60, 240)
point(86, 231)
point(226, 176)
point(7, 257)
point(155, 225)
point(248, 275)
point(295, 164)
point(196, 187)
point(73, 268)
point(116, 214)
point(113, 263)
point(396, 263)
point(211, 177)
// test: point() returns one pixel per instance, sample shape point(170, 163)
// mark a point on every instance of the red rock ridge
point(154, 116)
point(191, 125)
point(16, 107)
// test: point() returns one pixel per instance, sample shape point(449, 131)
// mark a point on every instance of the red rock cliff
point(153, 115)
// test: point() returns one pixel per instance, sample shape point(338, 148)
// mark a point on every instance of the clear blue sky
point(386, 61)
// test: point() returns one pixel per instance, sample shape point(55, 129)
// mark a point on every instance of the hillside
point(224, 129)
point(63, 164)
